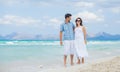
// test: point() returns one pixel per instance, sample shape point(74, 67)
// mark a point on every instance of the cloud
point(12, 2)
point(84, 4)
point(46, 3)
point(108, 3)
point(116, 9)
point(18, 20)
point(55, 21)
point(43, 3)
point(25, 3)
point(89, 16)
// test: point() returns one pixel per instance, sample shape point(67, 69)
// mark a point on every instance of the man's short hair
point(67, 15)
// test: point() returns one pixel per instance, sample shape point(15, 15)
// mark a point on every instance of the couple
point(74, 39)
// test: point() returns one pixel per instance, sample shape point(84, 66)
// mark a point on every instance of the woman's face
point(78, 21)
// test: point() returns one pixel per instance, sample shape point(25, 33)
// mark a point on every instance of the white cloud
point(89, 16)
point(18, 20)
point(84, 4)
point(25, 3)
point(12, 2)
point(42, 3)
point(55, 21)
point(116, 9)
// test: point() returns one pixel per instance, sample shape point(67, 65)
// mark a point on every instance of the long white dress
point(80, 45)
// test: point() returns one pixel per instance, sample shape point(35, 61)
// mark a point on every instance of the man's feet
point(78, 62)
point(72, 64)
point(65, 65)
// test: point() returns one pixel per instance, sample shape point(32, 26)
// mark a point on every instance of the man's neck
point(66, 21)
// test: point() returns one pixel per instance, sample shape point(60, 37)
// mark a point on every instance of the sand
point(111, 64)
point(102, 65)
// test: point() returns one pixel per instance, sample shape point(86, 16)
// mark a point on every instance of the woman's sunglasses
point(78, 20)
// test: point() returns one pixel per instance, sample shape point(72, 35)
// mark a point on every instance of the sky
point(45, 16)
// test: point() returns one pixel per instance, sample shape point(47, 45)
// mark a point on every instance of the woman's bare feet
point(78, 61)
point(83, 60)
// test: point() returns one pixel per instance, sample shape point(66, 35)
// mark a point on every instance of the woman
point(80, 40)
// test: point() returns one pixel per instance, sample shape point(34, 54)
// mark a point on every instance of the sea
point(38, 56)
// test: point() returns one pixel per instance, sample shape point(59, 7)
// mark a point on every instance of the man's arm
point(61, 43)
point(61, 34)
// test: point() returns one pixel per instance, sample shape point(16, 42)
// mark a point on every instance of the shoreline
point(110, 64)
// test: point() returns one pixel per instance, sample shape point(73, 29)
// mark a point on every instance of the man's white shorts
point(69, 47)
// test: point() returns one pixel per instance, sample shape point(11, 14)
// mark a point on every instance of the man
point(67, 33)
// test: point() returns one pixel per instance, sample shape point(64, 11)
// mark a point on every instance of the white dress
point(80, 45)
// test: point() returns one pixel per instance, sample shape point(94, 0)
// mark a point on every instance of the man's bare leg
point(65, 59)
point(71, 57)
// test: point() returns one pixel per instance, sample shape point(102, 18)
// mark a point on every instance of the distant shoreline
point(56, 40)
point(96, 37)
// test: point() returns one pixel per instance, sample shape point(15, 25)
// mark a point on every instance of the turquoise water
point(21, 50)
point(49, 53)
point(12, 50)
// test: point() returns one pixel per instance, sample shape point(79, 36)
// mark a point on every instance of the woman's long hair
point(80, 21)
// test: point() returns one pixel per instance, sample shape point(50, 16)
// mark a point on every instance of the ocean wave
point(104, 42)
point(30, 43)
point(10, 43)
point(52, 42)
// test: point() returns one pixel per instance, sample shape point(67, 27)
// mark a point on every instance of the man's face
point(69, 18)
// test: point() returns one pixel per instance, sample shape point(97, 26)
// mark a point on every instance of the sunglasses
point(78, 20)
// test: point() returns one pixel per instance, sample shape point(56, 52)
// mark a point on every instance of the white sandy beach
point(111, 64)
point(101, 65)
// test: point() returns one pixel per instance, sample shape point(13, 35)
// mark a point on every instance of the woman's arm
point(84, 32)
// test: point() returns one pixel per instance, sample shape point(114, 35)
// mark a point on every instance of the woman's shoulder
point(83, 27)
